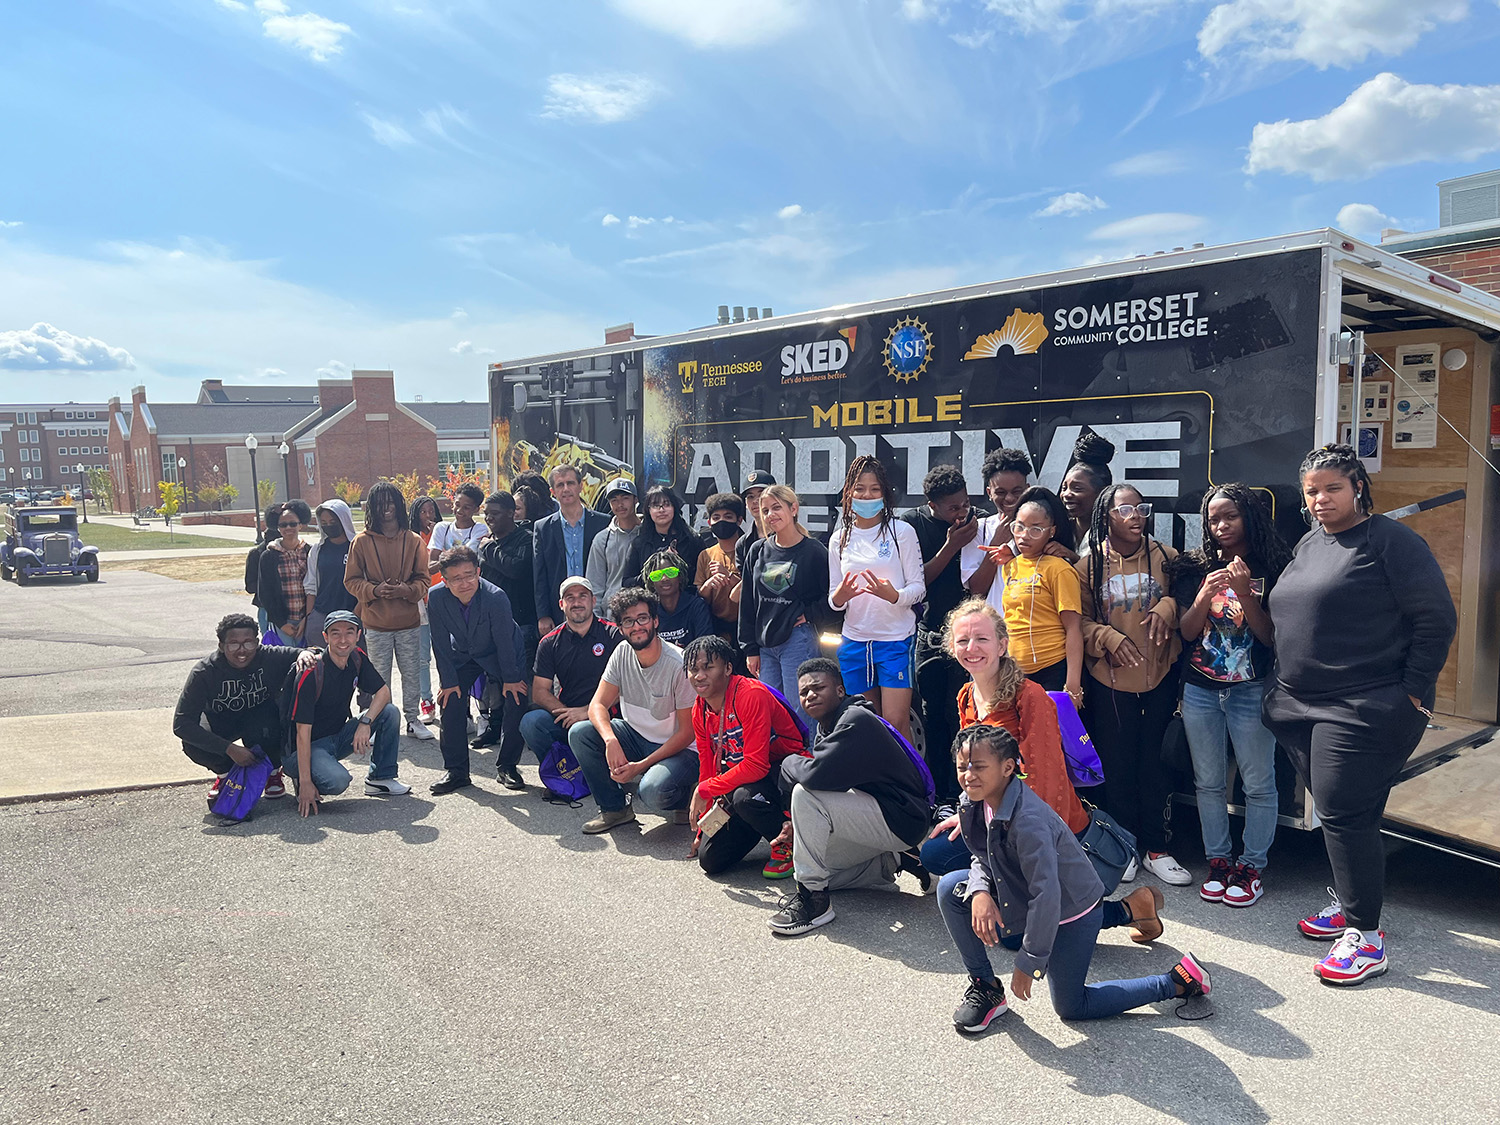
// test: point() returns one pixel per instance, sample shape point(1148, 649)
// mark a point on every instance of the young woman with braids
point(1130, 645)
point(875, 577)
point(1221, 590)
point(1088, 475)
point(1363, 622)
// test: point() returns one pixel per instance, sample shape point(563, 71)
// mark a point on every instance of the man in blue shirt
point(561, 542)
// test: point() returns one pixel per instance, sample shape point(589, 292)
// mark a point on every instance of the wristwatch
point(364, 720)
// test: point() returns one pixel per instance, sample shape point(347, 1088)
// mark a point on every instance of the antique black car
point(42, 541)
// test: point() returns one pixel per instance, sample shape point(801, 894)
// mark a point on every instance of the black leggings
point(1127, 729)
point(755, 815)
point(1349, 753)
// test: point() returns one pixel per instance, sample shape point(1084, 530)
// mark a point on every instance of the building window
point(169, 466)
point(31, 419)
point(92, 415)
point(307, 464)
point(460, 460)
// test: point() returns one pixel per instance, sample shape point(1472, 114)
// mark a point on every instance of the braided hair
point(661, 560)
point(1344, 459)
point(861, 465)
point(1099, 546)
point(1094, 453)
point(1263, 543)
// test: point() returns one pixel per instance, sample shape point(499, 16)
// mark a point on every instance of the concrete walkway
point(47, 757)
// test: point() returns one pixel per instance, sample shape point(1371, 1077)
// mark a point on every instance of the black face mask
point(724, 529)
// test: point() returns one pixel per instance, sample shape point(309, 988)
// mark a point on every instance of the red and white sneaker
point(779, 866)
point(1326, 923)
point(427, 711)
point(1352, 959)
point(1244, 888)
point(1219, 873)
point(276, 785)
point(215, 786)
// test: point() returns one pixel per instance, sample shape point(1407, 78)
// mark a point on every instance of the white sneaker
point(1131, 870)
point(1168, 870)
point(420, 732)
point(386, 787)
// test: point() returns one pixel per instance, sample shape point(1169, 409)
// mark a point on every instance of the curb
point(70, 794)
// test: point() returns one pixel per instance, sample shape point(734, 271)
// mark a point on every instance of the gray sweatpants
point(840, 841)
point(381, 644)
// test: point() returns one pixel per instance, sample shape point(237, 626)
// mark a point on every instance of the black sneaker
point(911, 863)
point(802, 911)
point(982, 1003)
point(510, 777)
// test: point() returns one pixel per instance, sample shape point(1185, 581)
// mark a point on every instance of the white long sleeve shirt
point(893, 554)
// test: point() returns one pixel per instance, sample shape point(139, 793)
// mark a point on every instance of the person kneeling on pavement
point(231, 703)
point(744, 733)
point(858, 802)
point(651, 741)
point(473, 635)
point(325, 733)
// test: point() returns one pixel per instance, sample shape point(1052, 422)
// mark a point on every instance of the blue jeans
point(424, 661)
point(665, 787)
point(1068, 967)
point(327, 754)
point(1208, 714)
point(942, 855)
point(779, 663)
point(539, 730)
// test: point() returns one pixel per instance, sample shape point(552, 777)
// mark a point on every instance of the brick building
point(1466, 244)
point(341, 429)
point(43, 443)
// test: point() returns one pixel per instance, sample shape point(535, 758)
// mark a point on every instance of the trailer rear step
point(1450, 798)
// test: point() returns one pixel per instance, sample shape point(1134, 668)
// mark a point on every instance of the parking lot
point(474, 957)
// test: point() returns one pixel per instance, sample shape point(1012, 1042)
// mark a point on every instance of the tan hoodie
point(373, 558)
point(1135, 589)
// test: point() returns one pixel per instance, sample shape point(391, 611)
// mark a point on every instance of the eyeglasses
point(294, 523)
point(1024, 532)
point(1125, 511)
point(631, 621)
point(662, 574)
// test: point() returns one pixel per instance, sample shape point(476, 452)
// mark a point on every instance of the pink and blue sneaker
point(1352, 959)
point(1327, 923)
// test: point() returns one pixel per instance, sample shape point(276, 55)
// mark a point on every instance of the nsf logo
point(908, 349)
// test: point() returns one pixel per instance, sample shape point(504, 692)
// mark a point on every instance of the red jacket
point(758, 732)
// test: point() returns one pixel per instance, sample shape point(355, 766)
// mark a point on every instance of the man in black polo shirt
point(944, 525)
point(574, 654)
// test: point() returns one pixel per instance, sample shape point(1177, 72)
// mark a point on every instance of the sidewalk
point(212, 530)
point(183, 553)
point(131, 750)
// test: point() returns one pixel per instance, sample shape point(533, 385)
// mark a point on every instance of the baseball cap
point(759, 478)
point(341, 615)
point(619, 484)
point(574, 580)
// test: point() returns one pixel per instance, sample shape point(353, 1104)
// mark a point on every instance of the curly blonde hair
point(1011, 676)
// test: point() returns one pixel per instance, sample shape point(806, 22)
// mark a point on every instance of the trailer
point(1202, 366)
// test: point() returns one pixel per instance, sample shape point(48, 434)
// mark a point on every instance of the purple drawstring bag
point(242, 787)
point(561, 774)
point(1084, 766)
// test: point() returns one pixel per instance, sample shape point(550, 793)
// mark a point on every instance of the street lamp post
point(286, 472)
point(251, 444)
point(83, 491)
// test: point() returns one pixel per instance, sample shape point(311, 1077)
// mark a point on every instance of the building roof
point(1443, 238)
point(226, 419)
point(453, 416)
point(214, 392)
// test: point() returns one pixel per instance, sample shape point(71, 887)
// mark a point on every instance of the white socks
point(1372, 937)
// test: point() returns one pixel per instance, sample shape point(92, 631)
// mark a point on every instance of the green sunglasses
point(664, 572)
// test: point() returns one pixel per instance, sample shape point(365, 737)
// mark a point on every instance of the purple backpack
point(242, 787)
point(1084, 766)
point(916, 760)
point(562, 775)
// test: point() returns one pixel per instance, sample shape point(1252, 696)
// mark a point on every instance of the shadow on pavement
point(358, 816)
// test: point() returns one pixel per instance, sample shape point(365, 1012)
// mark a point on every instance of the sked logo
point(687, 371)
point(817, 356)
point(908, 349)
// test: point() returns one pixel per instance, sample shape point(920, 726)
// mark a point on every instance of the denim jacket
point(1034, 868)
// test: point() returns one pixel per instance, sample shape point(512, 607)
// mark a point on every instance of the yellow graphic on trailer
point(1023, 333)
point(596, 468)
point(687, 371)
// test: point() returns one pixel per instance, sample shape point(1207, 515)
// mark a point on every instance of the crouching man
point(857, 803)
point(326, 733)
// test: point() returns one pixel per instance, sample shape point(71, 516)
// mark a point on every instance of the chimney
point(739, 314)
point(723, 314)
point(620, 333)
point(752, 313)
point(334, 394)
point(137, 395)
point(765, 314)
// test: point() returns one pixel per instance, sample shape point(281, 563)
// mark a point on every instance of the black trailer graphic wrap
point(1198, 374)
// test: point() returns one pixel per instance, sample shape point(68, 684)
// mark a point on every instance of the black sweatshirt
point(778, 585)
point(220, 704)
point(1362, 609)
point(859, 753)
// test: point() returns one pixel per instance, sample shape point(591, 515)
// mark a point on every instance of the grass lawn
point(108, 537)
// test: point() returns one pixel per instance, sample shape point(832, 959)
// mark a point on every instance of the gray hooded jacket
point(340, 510)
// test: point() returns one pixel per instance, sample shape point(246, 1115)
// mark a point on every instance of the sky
point(278, 190)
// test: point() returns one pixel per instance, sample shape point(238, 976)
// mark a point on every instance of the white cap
point(575, 580)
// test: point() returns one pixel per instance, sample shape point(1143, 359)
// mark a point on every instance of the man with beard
point(570, 662)
point(651, 739)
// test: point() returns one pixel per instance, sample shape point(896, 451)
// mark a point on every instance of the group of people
point(684, 674)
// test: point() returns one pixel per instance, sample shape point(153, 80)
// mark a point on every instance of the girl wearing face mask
point(1363, 621)
point(1131, 643)
point(718, 575)
point(875, 576)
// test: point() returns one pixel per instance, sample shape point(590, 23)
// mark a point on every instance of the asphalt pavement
point(475, 957)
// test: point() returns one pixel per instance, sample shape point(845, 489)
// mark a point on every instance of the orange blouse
point(1032, 719)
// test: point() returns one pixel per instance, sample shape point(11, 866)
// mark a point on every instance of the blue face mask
point(868, 509)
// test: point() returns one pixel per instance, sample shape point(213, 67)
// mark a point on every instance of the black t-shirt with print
point(1227, 652)
point(577, 663)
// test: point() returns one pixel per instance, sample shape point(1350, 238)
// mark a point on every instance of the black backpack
point(288, 699)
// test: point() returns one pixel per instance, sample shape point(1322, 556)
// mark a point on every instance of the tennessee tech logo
point(908, 349)
point(687, 371)
point(1023, 333)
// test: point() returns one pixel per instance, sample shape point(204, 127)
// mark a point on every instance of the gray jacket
point(1034, 868)
point(606, 562)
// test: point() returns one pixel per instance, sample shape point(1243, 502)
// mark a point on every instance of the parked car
point(20, 496)
point(43, 541)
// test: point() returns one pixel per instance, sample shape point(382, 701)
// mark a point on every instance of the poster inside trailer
point(1205, 373)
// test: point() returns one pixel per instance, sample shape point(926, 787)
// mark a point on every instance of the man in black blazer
point(473, 633)
point(561, 541)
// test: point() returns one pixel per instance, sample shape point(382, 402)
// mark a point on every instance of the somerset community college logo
point(1023, 333)
point(908, 349)
point(687, 371)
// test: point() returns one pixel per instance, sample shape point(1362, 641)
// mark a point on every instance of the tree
point(228, 494)
point(103, 488)
point(266, 495)
point(212, 490)
point(172, 496)
point(348, 491)
point(454, 477)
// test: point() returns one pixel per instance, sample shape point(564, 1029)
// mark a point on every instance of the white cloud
point(466, 347)
point(269, 374)
point(1385, 123)
point(438, 121)
point(603, 100)
point(917, 10)
point(1163, 162)
point(973, 39)
point(45, 348)
point(1363, 220)
point(790, 211)
point(231, 5)
point(718, 23)
point(1322, 32)
point(333, 369)
point(1071, 203)
point(1159, 224)
point(389, 133)
point(7, 225)
point(611, 220)
point(459, 313)
point(320, 37)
